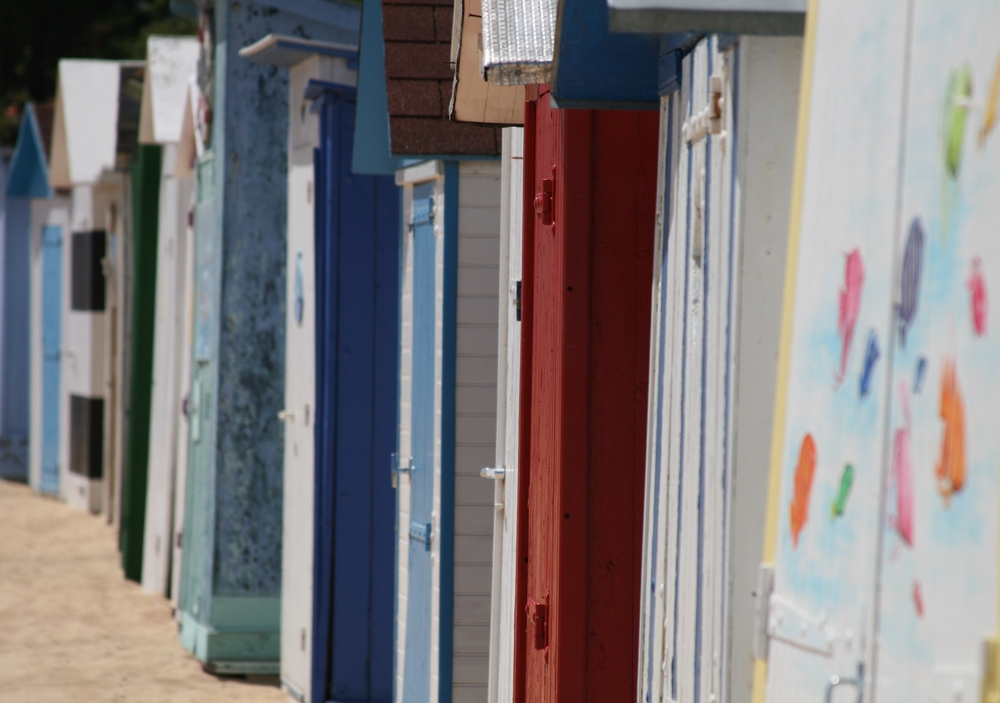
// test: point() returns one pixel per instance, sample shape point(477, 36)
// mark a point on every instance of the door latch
point(487, 472)
point(421, 532)
point(858, 682)
point(537, 621)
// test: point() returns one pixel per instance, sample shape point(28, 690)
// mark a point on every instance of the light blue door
point(51, 333)
point(416, 684)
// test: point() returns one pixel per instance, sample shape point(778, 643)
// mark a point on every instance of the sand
point(73, 629)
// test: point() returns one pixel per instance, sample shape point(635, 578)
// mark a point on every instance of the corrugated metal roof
point(518, 41)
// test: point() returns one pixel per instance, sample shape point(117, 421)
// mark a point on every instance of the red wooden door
point(591, 176)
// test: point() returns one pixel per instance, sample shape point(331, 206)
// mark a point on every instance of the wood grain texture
point(590, 321)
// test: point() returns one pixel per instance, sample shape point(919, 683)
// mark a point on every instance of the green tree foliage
point(35, 34)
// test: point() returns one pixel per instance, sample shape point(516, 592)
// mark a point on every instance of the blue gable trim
point(594, 68)
point(343, 14)
point(28, 175)
point(372, 153)
point(673, 49)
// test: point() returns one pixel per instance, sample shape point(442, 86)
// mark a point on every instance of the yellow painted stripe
point(787, 315)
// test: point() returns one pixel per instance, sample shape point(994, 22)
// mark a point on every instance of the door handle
point(857, 682)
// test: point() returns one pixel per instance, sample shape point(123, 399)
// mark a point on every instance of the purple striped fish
point(909, 283)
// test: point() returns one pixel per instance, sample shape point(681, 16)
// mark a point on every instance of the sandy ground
point(72, 629)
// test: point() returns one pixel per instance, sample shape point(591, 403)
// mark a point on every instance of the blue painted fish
point(871, 356)
point(918, 374)
point(909, 283)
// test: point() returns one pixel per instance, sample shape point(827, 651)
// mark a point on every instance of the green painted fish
point(956, 109)
point(846, 480)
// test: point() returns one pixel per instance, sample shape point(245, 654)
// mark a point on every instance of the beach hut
point(588, 174)
point(230, 591)
point(727, 125)
point(450, 182)
point(171, 63)
point(49, 221)
point(25, 176)
point(879, 572)
point(88, 143)
point(340, 394)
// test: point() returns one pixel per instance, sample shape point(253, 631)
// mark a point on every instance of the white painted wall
point(504, 582)
point(167, 391)
point(300, 377)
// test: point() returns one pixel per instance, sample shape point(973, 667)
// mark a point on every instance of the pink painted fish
point(902, 473)
point(850, 304)
point(977, 293)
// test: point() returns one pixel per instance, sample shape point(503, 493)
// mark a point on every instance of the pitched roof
point(28, 174)
point(171, 63)
point(419, 76)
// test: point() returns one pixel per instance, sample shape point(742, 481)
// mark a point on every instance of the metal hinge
point(516, 290)
point(421, 531)
point(777, 617)
point(397, 468)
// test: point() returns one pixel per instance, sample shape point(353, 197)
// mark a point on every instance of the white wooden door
point(717, 297)
point(501, 681)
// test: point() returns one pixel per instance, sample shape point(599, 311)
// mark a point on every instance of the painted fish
point(850, 304)
point(871, 356)
point(950, 470)
point(846, 481)
point(804, 471)
point(909, 282)
point(990, 114)
point(955, 112)
point(902, 473)
point(977, 294)
point(918, 599)
point(919, 373)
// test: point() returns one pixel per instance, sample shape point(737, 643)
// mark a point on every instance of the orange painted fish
point(804, 471)
point(950, 470)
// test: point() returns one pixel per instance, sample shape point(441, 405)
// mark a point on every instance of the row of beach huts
point(530, 350)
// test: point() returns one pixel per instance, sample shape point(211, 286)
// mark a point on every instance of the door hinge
point(421, 532)
point(516, 290)
point(779, 618)
point(537, 621)
point(396, 467)
point(544, 200)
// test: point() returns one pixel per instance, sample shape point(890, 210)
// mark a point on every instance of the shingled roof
point(419, 81)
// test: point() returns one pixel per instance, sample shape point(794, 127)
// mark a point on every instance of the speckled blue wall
point(234, 495)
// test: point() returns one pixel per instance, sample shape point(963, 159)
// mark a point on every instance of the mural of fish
point(871, 356)
point(955, 112)
point(919, 373)
point(804, 471)
point(950, 470)
point(850, 305)
point(992, 100)
point(909, 282)
point(902, 473)
point(977, 295)
point(846, 481)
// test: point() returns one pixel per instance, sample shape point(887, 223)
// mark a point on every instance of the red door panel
point(589, 298)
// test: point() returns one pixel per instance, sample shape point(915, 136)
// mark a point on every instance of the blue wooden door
point(417, 664)
point(51, 333)
point(356, 249)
